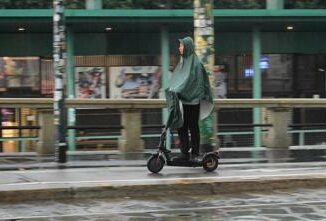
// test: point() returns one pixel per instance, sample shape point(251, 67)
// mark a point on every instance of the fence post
point(46, 143)
point(277, 139)
point(301, 138)
point(130, 141)
point(277, 136)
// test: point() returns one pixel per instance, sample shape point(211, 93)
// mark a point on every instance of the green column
point(204, 43)
point(165, 63)
point(71, 87)
point(275, 4)
point(257, 84)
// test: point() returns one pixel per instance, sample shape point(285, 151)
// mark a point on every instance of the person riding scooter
point(189, 99)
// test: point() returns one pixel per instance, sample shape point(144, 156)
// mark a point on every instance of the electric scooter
point(156, 161)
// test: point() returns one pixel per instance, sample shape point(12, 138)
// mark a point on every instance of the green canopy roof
point(95, 21)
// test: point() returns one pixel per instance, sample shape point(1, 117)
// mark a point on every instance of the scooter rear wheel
point(155, 163)
point(210, 162)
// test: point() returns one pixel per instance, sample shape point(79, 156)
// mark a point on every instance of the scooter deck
point(184, 163)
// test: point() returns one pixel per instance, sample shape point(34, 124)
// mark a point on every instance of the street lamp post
point(204, 44)
point(59, 64)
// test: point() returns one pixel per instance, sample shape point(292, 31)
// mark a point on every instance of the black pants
point(191, 117)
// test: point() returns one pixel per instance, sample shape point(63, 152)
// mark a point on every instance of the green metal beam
point(116, 137)
point(26, 13)
point(41, 13)
point(18, 139)
point(95, 21)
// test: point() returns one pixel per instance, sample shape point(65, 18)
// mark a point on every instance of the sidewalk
point(136, 181)
point(112, 158)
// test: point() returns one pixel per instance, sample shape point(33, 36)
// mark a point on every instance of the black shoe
point(195, 158)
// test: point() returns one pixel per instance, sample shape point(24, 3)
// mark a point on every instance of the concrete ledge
point(156, 187)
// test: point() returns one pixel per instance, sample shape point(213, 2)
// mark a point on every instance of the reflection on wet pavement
point(301, 204)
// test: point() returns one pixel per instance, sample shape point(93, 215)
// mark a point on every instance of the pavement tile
point(283, 218)
point(247, 212)
point(314, 217)
point(273, 211)
point(301, 209)
point(321, 207)
point(249, 218)
point(134, 219)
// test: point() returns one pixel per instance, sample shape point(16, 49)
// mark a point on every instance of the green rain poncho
point(189, 83)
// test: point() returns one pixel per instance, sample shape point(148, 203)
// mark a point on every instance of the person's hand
point(164, 131)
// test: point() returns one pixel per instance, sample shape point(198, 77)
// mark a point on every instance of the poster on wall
point(19, 72)
point(47, 78)
point(135, 82)
point(90, 82)
point(220, 81)
point(2, 82)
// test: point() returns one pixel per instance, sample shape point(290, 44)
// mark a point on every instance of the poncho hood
point(189, 48)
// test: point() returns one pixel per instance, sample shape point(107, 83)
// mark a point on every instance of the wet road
point(300, 204)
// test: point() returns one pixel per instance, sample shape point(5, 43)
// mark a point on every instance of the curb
point(157, 187)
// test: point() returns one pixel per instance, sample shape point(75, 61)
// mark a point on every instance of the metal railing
point(160, 103)
point(47, 103)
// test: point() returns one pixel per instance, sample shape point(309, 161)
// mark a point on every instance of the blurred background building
point(116, 50)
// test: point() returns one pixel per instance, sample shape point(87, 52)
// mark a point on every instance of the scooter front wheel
point(155, 163)
point(210, 162)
